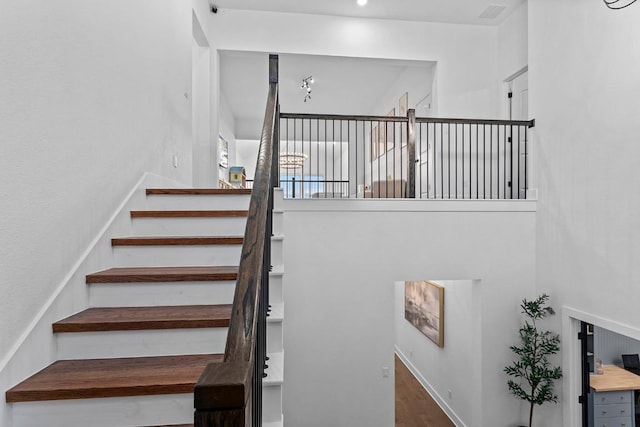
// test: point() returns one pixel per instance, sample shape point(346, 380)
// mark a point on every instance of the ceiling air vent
point(492, 11)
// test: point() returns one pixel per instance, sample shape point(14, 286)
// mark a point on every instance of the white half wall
point(341, 259)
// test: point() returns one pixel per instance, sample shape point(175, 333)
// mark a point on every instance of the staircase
point(155, 320)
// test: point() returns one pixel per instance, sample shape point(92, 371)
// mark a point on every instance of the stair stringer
point(272, 412)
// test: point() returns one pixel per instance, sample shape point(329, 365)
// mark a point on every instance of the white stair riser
point(108, 412)
point(275, 289)
point(277, 251)
point(169, 342)
point(275, 370)
point(232, 226)
point(278, 218)
point(199, 202)
point(271, 403)
point(152, 294)
point(176, 256)
point(274, 337)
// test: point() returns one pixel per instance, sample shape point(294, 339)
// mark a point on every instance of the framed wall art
point(404, 105)
point(424, 308)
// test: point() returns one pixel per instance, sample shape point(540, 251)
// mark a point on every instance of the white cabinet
point(613, 408)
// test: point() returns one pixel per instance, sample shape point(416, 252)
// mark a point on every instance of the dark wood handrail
point(223, 394)
point(241, 328)
point(528, 123)
point(313, 116)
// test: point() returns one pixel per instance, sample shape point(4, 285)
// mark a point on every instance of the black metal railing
point(333, 156)
point(472, 159)
point(229, 394)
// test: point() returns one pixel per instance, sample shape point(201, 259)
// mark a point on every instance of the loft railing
point(229, 394)
point(403, 157)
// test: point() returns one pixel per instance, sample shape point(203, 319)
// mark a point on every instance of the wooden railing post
point(222, 395)
point(411, 152)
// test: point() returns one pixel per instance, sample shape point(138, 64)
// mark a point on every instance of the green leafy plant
point(532, 371)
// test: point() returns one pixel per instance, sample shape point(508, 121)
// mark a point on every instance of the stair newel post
point(411, 153)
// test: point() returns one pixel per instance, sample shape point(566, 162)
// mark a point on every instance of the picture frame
point(223, 147)
point(424, 308)
point(375, 152)
point(403, 104)
point(389, 132)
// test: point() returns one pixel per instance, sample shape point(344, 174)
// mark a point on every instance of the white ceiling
point(451, 11)
point(341, 85)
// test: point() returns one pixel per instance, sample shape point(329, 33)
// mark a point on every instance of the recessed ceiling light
point(362, 2)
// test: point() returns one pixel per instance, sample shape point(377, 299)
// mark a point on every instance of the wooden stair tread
point(176, 241)
point(197, 191)
point(175, 425)
point(164, 274)
point(96, 378)
point(98, 319)
point(189, 214)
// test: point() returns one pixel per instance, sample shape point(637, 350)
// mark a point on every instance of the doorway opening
point(437, 352)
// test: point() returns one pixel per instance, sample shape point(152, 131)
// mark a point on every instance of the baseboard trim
point(429, 389)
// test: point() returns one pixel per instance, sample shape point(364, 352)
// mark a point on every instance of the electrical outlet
point(175, 161)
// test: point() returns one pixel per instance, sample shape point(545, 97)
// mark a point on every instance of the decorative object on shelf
point(306, 86)
point(292, 160)
point(532, 370)
point(223, 147)
point(424, 308)
point(237, 176)
point(618, 4)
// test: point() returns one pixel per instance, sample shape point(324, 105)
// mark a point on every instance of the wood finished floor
point(414, 406)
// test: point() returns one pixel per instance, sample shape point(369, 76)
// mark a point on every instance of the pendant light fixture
point(618, 4)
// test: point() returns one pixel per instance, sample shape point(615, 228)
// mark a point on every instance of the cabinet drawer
point(613, 422)
point(612, 410)
point(606, 397)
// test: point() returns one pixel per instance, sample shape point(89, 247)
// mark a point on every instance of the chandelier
point(618, 4)
point(292, 160)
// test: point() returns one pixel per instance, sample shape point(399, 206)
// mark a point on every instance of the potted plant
point(532, 373)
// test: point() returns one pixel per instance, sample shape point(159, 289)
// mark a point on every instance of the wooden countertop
point(614, 378)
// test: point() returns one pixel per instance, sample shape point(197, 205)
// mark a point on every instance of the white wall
point(513, 43)
point(433, 365)
point(584, 64)
point(342, 257)
point(227, 130)
point(609, 346)
point(85, 111)
point(466, 55)
point(417, 81)
point(94, 95)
